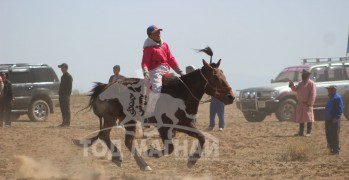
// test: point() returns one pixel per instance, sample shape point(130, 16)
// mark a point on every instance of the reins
point(220, 90)
point(192, 94)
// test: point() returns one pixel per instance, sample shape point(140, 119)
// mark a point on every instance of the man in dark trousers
point(65, 90)
point(6, 101)
point(333, 113)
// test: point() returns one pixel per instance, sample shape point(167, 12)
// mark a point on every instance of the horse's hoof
point(153, 153)
point(192, 161)
point(191, 164)
point(147, 168)
point(77, 142)
point(117, 162)
point(82, 143)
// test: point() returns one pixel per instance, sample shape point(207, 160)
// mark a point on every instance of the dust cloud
point(30, 168)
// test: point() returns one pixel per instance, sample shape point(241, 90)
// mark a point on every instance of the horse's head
point(217, 85)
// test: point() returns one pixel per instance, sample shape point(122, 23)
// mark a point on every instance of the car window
point(319, 74)
point(286, 76)
point(346, 72)
point(19, 77)
point(336, 73)
point(44, 75)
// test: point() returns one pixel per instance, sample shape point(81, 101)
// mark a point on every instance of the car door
point(320, 77)
point(46, 82)
point(337, 75)
point(22, 85)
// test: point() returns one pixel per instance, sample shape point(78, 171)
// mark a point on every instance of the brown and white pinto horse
point(188, 89)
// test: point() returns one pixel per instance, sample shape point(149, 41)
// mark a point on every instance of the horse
point(186, 90)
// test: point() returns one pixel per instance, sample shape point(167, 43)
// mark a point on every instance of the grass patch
point(301, 149)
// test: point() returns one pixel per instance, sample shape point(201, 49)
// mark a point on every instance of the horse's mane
point(128, 81)
point(174, 82)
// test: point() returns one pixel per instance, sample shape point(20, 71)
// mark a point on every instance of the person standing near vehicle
point(65, 89)
point(6, 101)
point(157, 60)
point(216, 107)
point(333, 113)
point(116, 76)
point(306, 94)
point(1, 85)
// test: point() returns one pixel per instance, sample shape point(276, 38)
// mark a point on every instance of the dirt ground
point(265, 150)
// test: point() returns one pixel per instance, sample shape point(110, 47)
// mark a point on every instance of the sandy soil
point(265, 150)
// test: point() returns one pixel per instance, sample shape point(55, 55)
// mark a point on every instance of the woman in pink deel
point(306, 94)
point(157, 61)
point(1, 85)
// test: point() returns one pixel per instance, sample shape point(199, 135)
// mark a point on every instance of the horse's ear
point(219, 63)
point(205, 63)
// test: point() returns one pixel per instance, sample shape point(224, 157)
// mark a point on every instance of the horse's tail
point(96, 90)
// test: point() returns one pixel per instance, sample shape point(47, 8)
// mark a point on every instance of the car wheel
point(38, 110)
point(286, 109)
point(254, 116)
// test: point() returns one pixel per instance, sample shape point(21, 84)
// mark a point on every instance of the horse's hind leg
point(85, 142)
point(130, 127)
point(88, 142)
point(105, 136)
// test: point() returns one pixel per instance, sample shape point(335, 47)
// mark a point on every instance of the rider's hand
point(290, 84)
point(146, 75)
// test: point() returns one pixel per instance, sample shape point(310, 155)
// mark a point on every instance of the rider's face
point(156, 36)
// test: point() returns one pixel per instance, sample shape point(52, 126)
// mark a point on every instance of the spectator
point(216, 107)
point(1, 85)
point(333, 113)
point(306, 93)
point(6, 101)
point(116, 76)
point(64, 92)
point(189, 69)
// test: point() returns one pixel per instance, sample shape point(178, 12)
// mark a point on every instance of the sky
point(255, 39)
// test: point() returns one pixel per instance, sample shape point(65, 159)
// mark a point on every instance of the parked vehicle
point(35, 87)
point(258, 102)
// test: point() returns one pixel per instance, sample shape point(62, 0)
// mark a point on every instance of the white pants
point(155, 76)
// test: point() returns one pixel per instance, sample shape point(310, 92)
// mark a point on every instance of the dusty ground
point(265, 150)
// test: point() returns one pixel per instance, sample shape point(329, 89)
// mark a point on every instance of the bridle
point(220, 90)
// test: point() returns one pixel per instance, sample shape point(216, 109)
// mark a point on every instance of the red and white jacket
point(156, 54)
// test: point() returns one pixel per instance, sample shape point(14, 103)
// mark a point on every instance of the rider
point(157, 60)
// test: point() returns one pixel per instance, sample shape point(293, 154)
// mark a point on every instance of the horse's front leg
point(130, 127)
point(166, 135)
point(193, 132)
